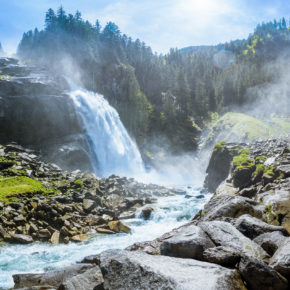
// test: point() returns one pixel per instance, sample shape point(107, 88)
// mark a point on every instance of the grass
point(10, 187)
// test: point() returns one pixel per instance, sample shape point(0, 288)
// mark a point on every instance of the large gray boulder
point(53, 278)
point(224, 256)
point(252, 227)
point(187, 242)
point(138, 270)
point(259, 275)
point(270, 242)
point(225, 234)
point(281, 259)
point(231, 206)
point(90, 279)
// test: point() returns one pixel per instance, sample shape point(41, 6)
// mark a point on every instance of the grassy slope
point(235, 127)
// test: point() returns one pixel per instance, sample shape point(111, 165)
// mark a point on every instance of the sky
point(162, 24)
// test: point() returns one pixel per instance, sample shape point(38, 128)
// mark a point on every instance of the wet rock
point(270, 242)
point(242, 177)
point(146, 212)
point(138, 270)
point(90, 279)
point(259, 275)
point(225, 234)
point(252, 227)
point(44, 234)
point(104, 231)
point(55, 237)
point(281, 259)
point(79, 238)
point(20, 239)
point(53, 278)
point(118, 227)
point(188, 242)
point(223, 256)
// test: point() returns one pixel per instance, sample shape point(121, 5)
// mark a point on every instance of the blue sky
point(162, 24)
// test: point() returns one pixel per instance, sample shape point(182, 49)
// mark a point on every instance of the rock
point(225, 234)
point(104, 231)
point(80, 238)
point(118, 227)
point(138, 270)
point(21, 239)
point(44, 234)
point(285, 169)
point(55, 237)
point(127, 215)
point(224, 256)
point(242, 177)
point(149, 247)
point(259, 275)
point(90, 279)
point(89, 205)
point(281, 259)
point(270, 242)
point(92, 259)
point(146, 212)
point(188, 242)
point(231, 206)
point(252, 227)
point(53, 278)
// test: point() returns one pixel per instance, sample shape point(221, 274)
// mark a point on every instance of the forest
point(173, 95)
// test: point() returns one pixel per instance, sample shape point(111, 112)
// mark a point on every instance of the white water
point(111, 145)
point(170, 212)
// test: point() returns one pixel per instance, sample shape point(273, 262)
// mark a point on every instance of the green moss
point(204, 212)
point(220, 146)
point(244, 151)
point(242, 161)
point(270, 170)
point(10, 187)
point(260, 168)
point(261, 159)
point(78, 183)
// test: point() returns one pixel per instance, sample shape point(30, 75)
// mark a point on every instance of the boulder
point(225, 234)
point(55, 237)
point(138, 270)
point(53, 278)
point(252, 227)
point(223, 256)
point(90, 279)
point(281, 259)
point(242, 177)
point(187, 242)
point(231, 206)
point(20, 239)
point(79, 238)
point(259, 275)
point(89, 205)
point(118, 227)
point(146, 212)
point(270, 242)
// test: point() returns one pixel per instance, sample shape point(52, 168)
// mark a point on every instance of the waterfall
point(113, 149)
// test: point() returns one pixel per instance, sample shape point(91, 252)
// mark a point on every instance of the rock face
point(36, 112)
point(187, 242)
point(137, 270)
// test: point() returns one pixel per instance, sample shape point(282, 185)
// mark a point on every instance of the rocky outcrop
point(39, 201)
point(36, 112)
point(137, 270)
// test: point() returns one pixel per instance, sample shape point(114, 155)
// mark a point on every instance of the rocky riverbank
point(41, 202)
point(239, 241)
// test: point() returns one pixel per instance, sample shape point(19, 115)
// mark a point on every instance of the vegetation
point(11, 187)
point(171, 95)
point(242, 161)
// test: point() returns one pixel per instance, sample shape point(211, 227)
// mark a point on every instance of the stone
point(79, 238)
point(146, 212)
point(188, 242)
point(138, 270)
point(224, 256)
point(270, 242)
point(89, 205)
point(53, 278)
point(20, 239)
point(259, 275)
point(242, 177)
point(44, 234)
point(55, 237)
point(104, 231)
point(225, 234)
point(252, 227)
point(281, 259)
point(90, 279)
point(231, 206)
point(118, 227)
point(285, 169)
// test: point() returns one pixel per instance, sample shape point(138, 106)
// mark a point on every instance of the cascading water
point(111, 145)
